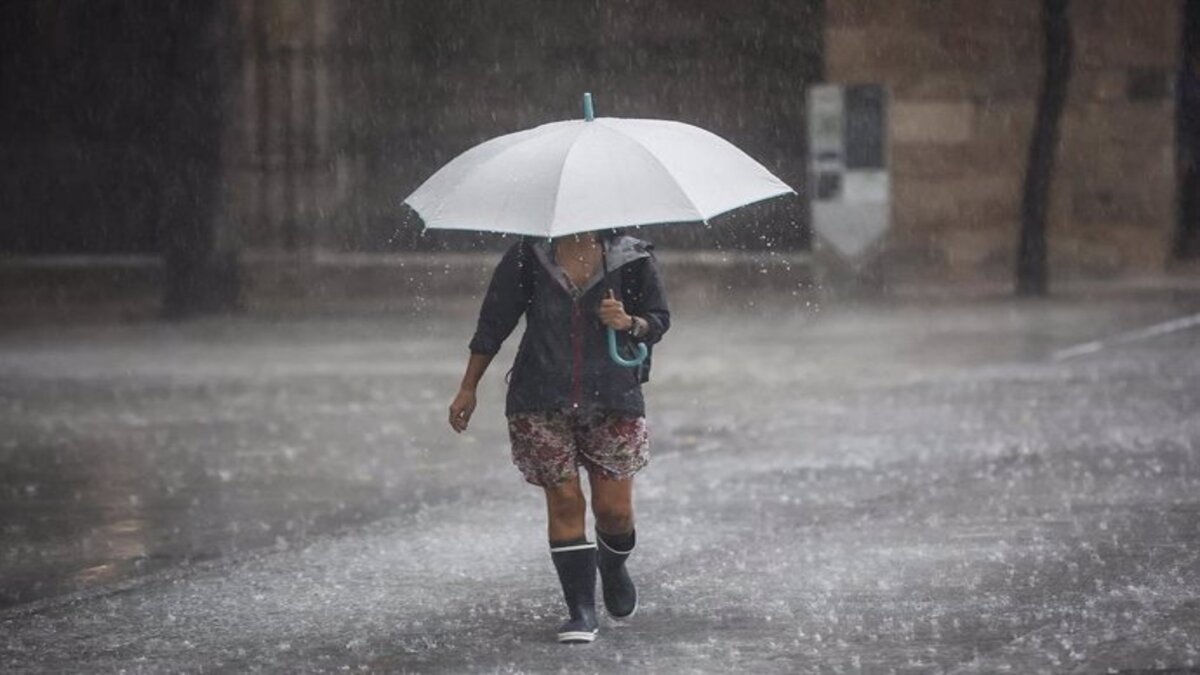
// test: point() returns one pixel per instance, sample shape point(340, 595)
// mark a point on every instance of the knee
point(613, 517)
point(566, 503)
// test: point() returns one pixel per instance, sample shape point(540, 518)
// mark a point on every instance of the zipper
point(577, 354)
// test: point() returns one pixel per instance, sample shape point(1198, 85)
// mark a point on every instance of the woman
point(569, 404)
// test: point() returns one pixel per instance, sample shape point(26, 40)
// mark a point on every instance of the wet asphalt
point(881, 486)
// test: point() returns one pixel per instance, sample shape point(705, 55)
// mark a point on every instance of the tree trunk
point(201, 270)
point(1039, 174)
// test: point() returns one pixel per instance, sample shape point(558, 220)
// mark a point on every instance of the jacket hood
point(619, 251)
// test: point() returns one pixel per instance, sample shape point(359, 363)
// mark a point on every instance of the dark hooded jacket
point(563, 360)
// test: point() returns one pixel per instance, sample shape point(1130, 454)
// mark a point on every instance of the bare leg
point(565, 510)
point(612, 504)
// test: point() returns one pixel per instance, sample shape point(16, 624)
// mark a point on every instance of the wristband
point(638, 326)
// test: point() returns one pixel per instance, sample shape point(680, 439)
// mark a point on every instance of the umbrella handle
point(642, 352)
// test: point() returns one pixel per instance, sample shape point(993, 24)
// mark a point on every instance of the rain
point(935, 411)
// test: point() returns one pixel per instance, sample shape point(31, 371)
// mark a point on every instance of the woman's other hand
point(461, 409)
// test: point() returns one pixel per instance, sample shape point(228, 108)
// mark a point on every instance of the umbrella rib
point(475, 169)
point(558, 187)
point(699, 216)
point(436, 211)
point(566, 155)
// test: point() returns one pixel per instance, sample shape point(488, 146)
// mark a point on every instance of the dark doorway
point(1187, 242)
point(80, 82)
point(101, 105)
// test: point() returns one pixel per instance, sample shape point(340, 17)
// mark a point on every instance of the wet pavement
point(882, 487)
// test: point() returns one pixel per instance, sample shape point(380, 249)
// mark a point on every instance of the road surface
point(883, 487)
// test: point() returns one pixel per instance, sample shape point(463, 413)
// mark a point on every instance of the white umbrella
point(592, 174)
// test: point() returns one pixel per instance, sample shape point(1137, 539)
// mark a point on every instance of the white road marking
point(1157, 329)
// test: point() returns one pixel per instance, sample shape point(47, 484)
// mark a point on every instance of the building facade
point(333, 111)
point(964, 77)
point(344, 108)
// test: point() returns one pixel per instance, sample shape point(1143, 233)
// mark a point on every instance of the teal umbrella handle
point(642, 352)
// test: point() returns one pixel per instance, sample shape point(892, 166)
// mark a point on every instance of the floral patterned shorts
point(548, 447)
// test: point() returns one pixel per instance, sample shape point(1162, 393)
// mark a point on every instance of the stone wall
point(346, 107)
point(964, 77)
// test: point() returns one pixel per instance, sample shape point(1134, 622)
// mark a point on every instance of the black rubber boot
point(620, 595)
point(576, 565)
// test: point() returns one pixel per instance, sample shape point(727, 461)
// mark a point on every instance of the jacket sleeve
point(648, 299)
point(507, 297)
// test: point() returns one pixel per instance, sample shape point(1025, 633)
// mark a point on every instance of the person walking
point(569, 404)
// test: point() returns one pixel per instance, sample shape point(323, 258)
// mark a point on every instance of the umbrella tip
point(588, 113)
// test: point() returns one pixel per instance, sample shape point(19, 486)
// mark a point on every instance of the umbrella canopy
point(583, 175)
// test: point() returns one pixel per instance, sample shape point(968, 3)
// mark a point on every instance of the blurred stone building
point(964, 77)
point(345, 107)
point(330, 112)
point(342, 109)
